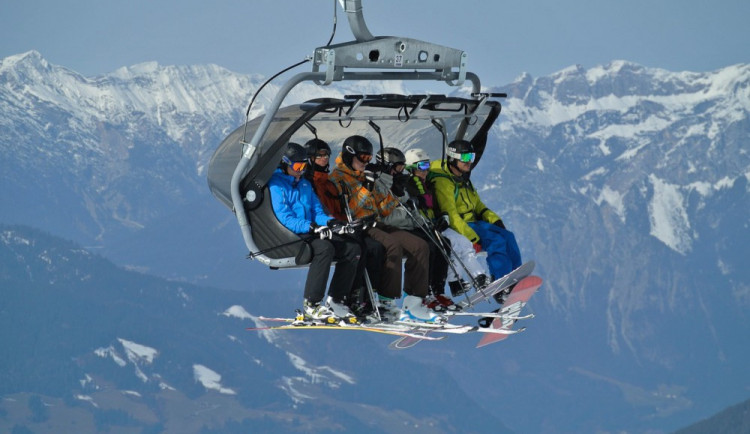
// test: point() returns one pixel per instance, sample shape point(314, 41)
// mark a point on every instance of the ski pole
point(349, 217)
point(441, 246)
point(448, 246)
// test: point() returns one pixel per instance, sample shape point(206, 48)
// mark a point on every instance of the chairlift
point(239, 170)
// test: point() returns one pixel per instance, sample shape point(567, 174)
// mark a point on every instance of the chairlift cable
point(335, 20)
point(255, 95)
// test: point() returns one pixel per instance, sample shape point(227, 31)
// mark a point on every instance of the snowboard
point(510, 309)
point(498, 285)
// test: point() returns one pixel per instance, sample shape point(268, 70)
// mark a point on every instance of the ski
point(499, 314)
point(405, 329)
point(498, 285)
point(453, 328)
point(410, 333)
point(512, 306)
point(405, 342)
point(493, 288)
point(321, 326)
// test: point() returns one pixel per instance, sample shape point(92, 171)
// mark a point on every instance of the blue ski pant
point(503, 254)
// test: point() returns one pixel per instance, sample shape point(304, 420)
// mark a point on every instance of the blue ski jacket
point(295, 203)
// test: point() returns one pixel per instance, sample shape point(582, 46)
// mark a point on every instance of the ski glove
point(340, 227)
point(370, 178)
point(441, 224)
point(499, 223)
point(364, 223)
point(324, 232)
point(412, 203)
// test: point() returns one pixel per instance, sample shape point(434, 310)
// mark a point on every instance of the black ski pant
point(372, 259)
point(346, 253)
point(438, 264)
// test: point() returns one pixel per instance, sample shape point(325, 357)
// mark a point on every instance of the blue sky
point(503, 38)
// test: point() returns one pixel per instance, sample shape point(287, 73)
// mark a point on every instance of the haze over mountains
point(628, 186)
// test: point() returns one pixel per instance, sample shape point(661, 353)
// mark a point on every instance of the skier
point(297, 207)
point(319, 156)
point(373, 253)
point(420, 187)
point(394, 179)
point(457, 198)
point(365, 200)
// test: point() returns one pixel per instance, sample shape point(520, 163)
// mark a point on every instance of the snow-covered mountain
point(628, 185)
point(113, 153)
point(90, 347)
point(619, 157)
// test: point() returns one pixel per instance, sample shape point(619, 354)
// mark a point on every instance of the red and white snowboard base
point(511, 309)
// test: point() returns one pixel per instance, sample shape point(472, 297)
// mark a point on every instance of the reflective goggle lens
point(467, 157)
point(299, 166)
point(323, 155)
point(423, 165)
point(365, 158)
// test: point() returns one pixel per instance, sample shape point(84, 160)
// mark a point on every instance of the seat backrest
point(272, 237)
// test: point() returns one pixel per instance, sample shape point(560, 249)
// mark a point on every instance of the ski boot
point(414, 310)
point(440, 303)
point(361, 310)
point(501, 296)
point(459, 287)
point(341, 310)
point(318, 313)
point(482, 281)
point(388, 309)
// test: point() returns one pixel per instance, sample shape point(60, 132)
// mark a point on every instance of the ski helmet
point(314, 146)
point(294, 153)
point(393, 156)
point(460, 150)
point(417, 158)
point(356, 146)
point(317, 147)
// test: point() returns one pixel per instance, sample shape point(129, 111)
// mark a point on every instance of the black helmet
point(355, 145)
point(460, 150)
point(314, 147)
point(294, 153)
point(460, 147)
point(393, 156)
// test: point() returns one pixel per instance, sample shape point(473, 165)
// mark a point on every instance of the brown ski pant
point(399, 243)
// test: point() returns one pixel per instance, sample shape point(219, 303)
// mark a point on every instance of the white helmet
point(415, 155)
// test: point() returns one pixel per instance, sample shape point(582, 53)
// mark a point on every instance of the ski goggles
point(365, 158)
point(299, 166)
point(323, 155)
point(464, 157)
point(422, 165)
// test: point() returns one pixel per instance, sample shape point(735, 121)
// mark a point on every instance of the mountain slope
point(105, 348)
point(733, 420)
